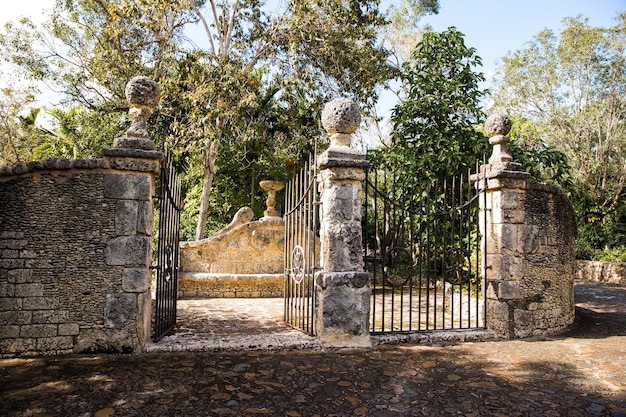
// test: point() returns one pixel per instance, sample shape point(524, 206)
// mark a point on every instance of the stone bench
point(209, 285)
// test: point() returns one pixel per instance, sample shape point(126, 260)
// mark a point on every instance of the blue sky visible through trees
point(493, 27)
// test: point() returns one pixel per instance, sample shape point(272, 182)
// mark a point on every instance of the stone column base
point(342, 306)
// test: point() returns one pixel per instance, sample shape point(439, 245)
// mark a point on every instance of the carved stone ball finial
point(143, 95)
point(497, 127)
point(341, 117)
point(142, 92)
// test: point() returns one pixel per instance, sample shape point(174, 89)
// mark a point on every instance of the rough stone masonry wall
point(610, 272)
point(531, 232)
point(75, 250)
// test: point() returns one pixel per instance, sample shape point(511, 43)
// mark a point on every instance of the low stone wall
point(203, 285)
point(610, 272)
point(75, 250)
point(245, 259)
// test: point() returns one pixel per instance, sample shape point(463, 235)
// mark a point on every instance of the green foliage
point(261, 128)
point(402, 33)
point(78, 133)
point(573, 86)
point(435, 135)
point(16, 129)
point(544, 162)
point(335, 43)
point(243, 107)
point(435, 140)
point(616, 254)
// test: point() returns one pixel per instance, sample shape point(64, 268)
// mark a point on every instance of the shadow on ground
point(578, 373)
point(410, 380)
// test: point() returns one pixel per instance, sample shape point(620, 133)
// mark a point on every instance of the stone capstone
point(134, 143)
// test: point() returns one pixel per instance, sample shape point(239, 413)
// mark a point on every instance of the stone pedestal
point(271, 187)
point(342, 290)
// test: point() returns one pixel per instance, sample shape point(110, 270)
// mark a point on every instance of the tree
point(574, 85)
point(435, 138)
point(544, 162)
point(78, 133)
point(328, 47)
point(212, 91)
point(435, 132)
point(16, 139)
point(402, 33)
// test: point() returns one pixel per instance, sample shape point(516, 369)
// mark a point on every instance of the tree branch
point(231, 25)
point(207, 29)
point(216, 23)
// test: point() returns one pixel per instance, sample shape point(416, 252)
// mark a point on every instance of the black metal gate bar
point(170, 204)
point(301, 226)
point(423, 253)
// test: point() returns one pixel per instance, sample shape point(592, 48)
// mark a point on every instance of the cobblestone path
point(578, 373)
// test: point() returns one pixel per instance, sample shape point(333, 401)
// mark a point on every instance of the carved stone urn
point(271, 187)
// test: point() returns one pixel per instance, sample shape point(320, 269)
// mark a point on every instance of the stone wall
point(610, 272)
point(531, 280)
point(245, 259)
point(531, 233)
point(75, 250)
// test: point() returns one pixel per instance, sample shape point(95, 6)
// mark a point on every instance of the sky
point(493, 27)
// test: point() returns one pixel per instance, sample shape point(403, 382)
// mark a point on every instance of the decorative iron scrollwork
point(457, 266)
point(169, 262)
point(297, 259)
point(397, 266)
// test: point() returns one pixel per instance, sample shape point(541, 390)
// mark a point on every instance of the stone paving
point(232, 324)
point(576, 373)
point(216, 324)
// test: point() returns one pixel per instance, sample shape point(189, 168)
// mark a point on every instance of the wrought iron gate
point(301, 248)
point(170, 203)
point(423, 252)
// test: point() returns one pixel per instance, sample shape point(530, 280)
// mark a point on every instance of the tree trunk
point(209, 172)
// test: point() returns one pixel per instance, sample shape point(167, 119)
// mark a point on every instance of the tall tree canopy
point(573, 85)
point(435, 127)
point(435, 138)
point(259, 76)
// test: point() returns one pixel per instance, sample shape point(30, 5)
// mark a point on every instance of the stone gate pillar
point(135, 164)
point(530, 231)
point(342, 290)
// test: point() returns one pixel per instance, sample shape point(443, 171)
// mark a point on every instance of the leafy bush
point(585, 252)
